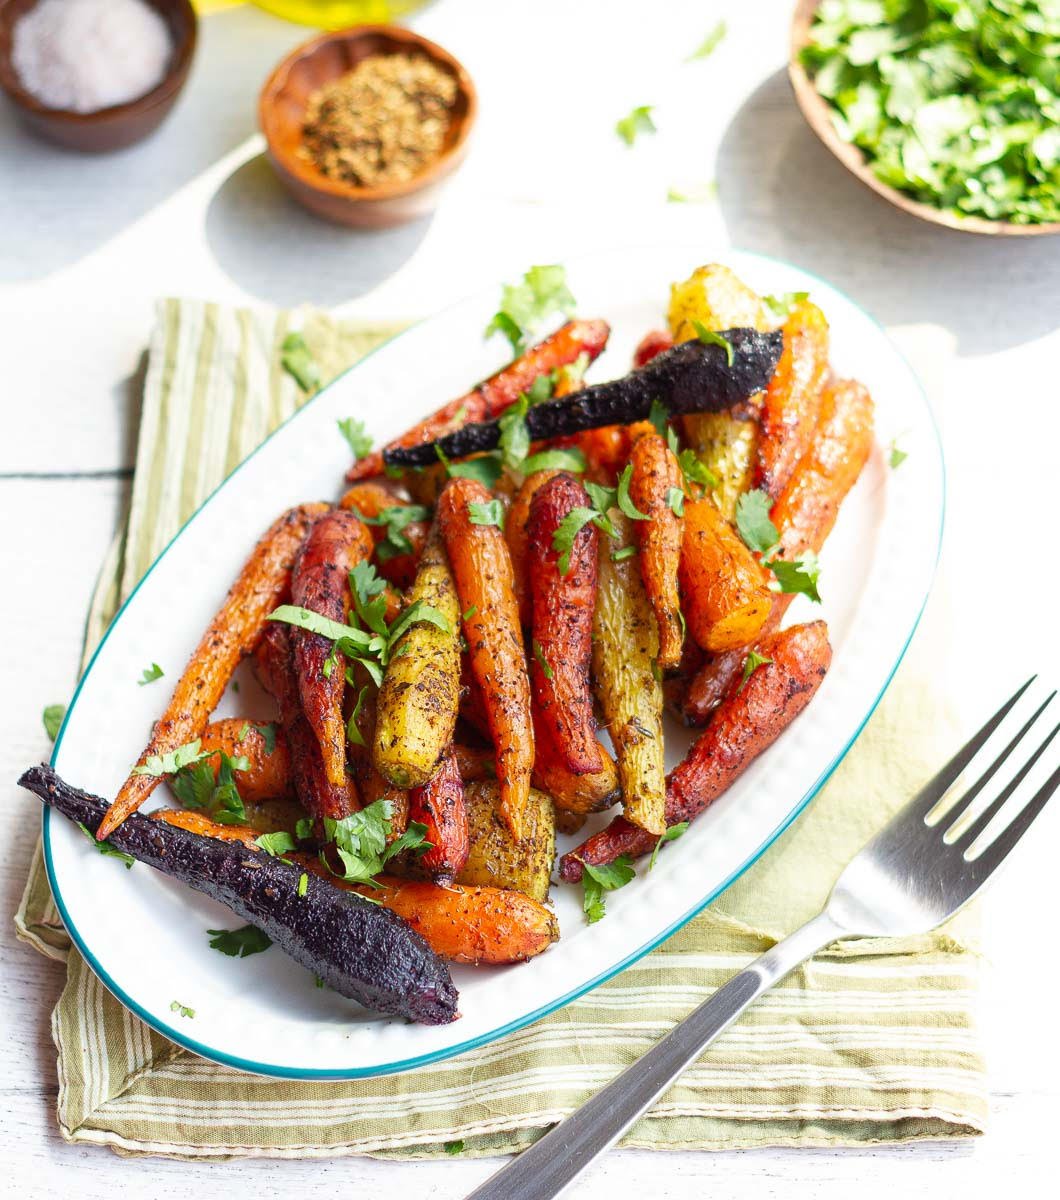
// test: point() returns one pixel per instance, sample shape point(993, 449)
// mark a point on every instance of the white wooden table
point(86, 244)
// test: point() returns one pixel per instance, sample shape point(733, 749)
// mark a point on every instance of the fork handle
point(552, 1163)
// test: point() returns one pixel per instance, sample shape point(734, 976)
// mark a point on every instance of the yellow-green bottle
point(337, 14)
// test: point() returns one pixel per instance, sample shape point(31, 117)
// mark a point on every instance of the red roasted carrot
point(563, 605)
point(230, 636)
point(439, 804)
point(495, 394)
point(482, 568)
point(651, 344)
point(515, 533)
point(320, 583)
point(748, 721)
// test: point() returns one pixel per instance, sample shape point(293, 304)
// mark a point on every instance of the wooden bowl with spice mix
point(364, 125)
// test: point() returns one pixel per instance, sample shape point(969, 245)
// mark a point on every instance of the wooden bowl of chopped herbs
point(364, 125)
point(949, 109)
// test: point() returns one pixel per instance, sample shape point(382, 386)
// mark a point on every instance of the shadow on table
point(280, 253)
point(56, 206)
point(782, 193)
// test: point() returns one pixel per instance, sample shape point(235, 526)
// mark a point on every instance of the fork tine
point(969, 796)
point(933, 791)
point(999, 848)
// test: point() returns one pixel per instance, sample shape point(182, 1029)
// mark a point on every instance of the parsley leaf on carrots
point(605, 878)
point(753, 523)
point(526, 305)
point(359, 440)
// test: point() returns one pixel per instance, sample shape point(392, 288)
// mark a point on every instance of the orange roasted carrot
point(655, 481)
point(232, 634)
point(563, 602)
point(725, 591)
point(439, 804)
point(788, 416)
point(370, 499)
point(482, 568)
point(274, 667)
point(804, 515)
point(493, 396)
point(267, 775)
point(571, 793)
point(515, 533)
point(320, 583)
point(460, 922)
point(198, 822)
point(748, 721)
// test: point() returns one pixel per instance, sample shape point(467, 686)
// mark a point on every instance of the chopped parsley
point(699, 194)
point(353, 730)
point(710, 43)
point(566, 533)
point(525, 306)
point(360, 841)
point(623, 554)
point(542, 662)
point(606, 878)
point(197, 787)
point(622, 497)
point(268, 735)
point(673, 832)
point(955, 102)
point(360, 441)
point(52, 718)
point(637, 122)
point(711, 338)
point(659, 417)
point(183, 1009)
point(469, 612)
point(696, 473)
point(753, 522)
point(303, 884)
point(555, 460)
point(676, 500)
point(896, 457)
point(514, 442)
point(798, 577)
point(456, 1147)
point(394, 520)
point(172, 761)
point(491, 512)
point(784, 305)
point(298, 362)
point(106, 849)
point(276, 845)
point(150, 674)
point(486, 468)
point(239, 943)
point(751, 664)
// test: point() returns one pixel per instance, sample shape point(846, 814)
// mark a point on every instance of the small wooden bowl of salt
point(364, 125)
point(95, 75)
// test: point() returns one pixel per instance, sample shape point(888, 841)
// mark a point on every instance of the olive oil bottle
point(337, 14)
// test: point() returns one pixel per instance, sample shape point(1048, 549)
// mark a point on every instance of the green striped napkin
point(874, 1041)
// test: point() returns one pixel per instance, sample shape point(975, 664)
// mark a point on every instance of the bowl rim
point(164, 90)
point(315, 179)
point(818, 114)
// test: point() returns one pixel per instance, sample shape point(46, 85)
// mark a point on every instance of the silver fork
point(914, 874)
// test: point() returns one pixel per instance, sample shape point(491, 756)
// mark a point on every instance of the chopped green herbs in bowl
point(952, 104)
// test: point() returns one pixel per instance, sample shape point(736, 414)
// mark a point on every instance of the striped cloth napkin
point(874, 1041)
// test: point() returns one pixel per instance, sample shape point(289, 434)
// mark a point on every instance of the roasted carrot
point(482, 567)
point(749, 720)
point(320, 583)
point(495, 394)
point(563, 602)
point(515, 534)
point(439, 804)
point(267, 775)
point(200, 823)
point(804, 515)
point(725, 592)
point(788, 416)
point(274, 667)
point(655, 488)
point(572, 793)
point(460, 922)
point(474, 762)
point(370, 500)
point(231, 635)
point(652, 343)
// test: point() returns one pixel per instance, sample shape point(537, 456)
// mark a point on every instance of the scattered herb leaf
point(360, 442)
point(239, 943)
point(183, 1009)
point(637, 122)
point(625, 504)
point(303, 884)
point(150, 674)
point(456, 1147)
point(753, 522)
point(555, 460)
point(526, 305)
point(798, 577)
point(710, 43)
point(751, 664)
point(699, 194)
point(624, 553)
point(673, 832)
point(52, 719)
point(489, 513)
point(172, 761)
point(276, 845)
point(542, 662)
point(676, 500)
point(711, 338)
point(782, 306)
point(298, 362)
point(895, 456)
point(105, 848)
point(607, 878)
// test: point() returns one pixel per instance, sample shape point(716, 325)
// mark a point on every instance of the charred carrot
point(563, 592)
point(655, 488)
point(230, 636)
point(482, 567)
point(320, 583)
point(398, 527)
point(748, 721)
point(493, 396)
point(789, 412)
point(439, 804)
point(515, 533)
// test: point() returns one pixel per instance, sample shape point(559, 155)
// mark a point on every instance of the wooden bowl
point(281, 111)
point(120, 124)
point(818, 113)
